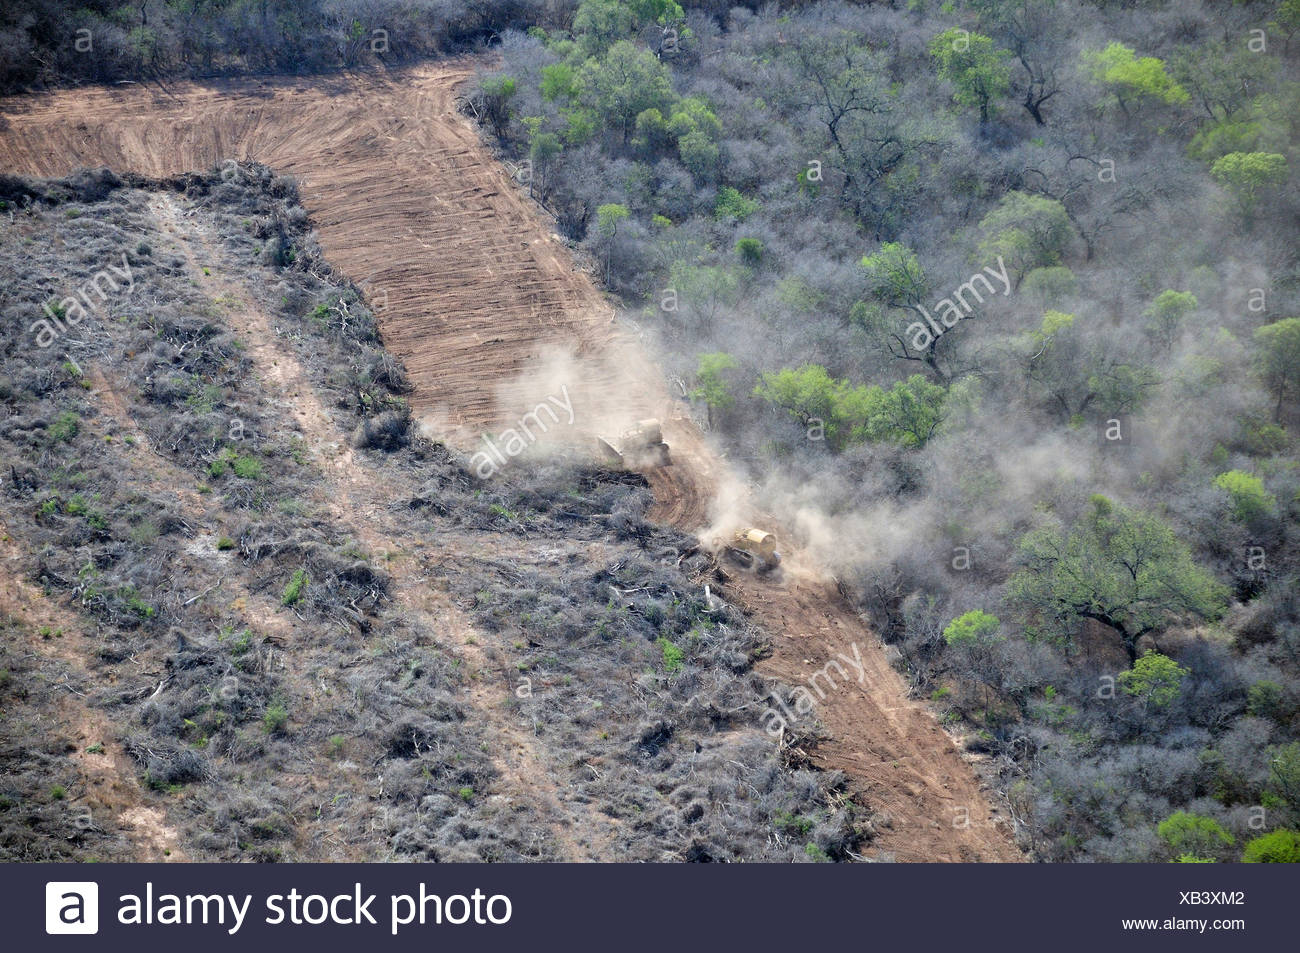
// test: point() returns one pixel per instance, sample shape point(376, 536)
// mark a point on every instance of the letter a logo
point(71, 907)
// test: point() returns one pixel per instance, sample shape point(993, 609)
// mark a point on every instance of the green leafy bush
point(672, 654)
point(979, 72)
point(732, 205)
point(1134, 77)
point(1117, 565)
point(1248, 174)
point(972, 627)
point(65, 427)
point(1154, 678)
point(750, 251)
point(1250, 501)
point(1278, 847)
point(908, 413)
point(294, 590)
point(275, 718)
point(1192, 834)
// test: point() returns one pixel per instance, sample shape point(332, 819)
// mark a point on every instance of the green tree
point(1279, 359)
point(908, 413)
point(1216, 139)
point(1122, 567)
point(712, 383)
point(1131, 77)
point(622, 84)
point(1250, 501)
point(495, 93)
point(974, 637)
point(704, 289)
point(598, 24)
point(1287, 20)
point(733, 206)
point(1248, 174)
point(696, 128)
point(979, 71)
point(690, 128)
point(750, 251)
point(1266, 699)
point(608, 217)
point(699, 154)
point(1222, 77)
point(1278, 847)
point(1054, 324)
point(1025, 231)
point(652, 137)
point(808, 394)
point(1165, 314)
point(896, 280)
point(1120, 387)
point(1155, 679)
point(1057, 364)
point(560, 83)
point(972, 628)
point(543, 148)
point(895, 276)
point(1050, 285)
point(1194, 835)
point(1070, 371)
point(694, 114)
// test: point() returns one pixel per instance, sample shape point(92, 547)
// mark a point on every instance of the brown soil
point(490, 314)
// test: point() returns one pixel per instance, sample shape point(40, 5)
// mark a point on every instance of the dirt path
point(490, 315)
point(926, 796)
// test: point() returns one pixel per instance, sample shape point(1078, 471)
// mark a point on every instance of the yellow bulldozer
point(753, 549)
point(638, 448)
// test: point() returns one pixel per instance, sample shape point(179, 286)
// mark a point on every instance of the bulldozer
point(637, 448)
point(754, 549)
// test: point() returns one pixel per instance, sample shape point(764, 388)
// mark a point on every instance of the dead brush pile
point(48, 811)
point(154, 487)
point(643, 693)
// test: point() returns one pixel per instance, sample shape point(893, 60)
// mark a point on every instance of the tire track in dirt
point(472, 290)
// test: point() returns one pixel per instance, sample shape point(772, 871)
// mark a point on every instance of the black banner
point(198, 907)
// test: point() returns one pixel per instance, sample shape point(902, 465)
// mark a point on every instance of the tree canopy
point(1278, 347)
point(1119, 566)
point(1131, 76)
point(908, 413)
point(979, 71)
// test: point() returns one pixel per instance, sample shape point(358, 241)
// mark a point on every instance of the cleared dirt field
point(491, 316)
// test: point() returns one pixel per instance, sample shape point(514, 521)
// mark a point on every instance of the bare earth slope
point(474, 293)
